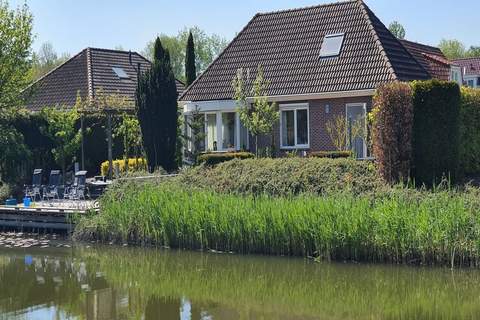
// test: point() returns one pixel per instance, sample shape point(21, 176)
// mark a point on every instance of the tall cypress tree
point(190, 69)
point(157, 110)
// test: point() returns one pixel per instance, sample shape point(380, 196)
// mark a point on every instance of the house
point(470, 69)
point(89, 72)
point(322, 62)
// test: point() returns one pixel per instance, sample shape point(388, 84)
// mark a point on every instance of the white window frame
point(364, 107)
point(329, 36)
point(219, 126)
point(294, 107)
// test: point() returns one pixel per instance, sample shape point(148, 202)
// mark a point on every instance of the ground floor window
point(357, 129)
point(224, 132)
point(294, 126)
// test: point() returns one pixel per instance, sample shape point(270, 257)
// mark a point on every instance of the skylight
point(120, 73)
point(332, 44)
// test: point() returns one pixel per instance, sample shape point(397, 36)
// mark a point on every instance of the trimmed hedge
point(392, 120)
point(470, 132)
point(212, 159)
point(285, 176)
point(435, 130)
point(331, 154)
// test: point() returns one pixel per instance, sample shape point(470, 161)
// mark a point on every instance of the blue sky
point(71, 25)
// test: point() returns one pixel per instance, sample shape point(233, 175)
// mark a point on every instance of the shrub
point(392, 121)
point(469, 143)
point(436, 107)
point(139, 164)
point(285, 176)
point(216, 158)
point(331, 154)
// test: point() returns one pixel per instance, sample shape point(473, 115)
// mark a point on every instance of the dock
point(56, 215)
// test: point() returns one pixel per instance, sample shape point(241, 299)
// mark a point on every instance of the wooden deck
point(48, 216)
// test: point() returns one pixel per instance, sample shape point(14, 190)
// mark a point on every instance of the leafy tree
point(15, 44)
point(337, 131)
point(45, 60)
point(157, 111)
point(207, 48)
point(261, 116)
point(61, 128)
point(13, 150)
point(190, 69)
point(473, 52)
point(452, 49)
point(397, 30)
point(129, 130)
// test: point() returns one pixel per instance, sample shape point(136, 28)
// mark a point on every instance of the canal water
point(104, 282)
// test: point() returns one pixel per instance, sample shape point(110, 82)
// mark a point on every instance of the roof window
point(332, 44)
point(120, 73)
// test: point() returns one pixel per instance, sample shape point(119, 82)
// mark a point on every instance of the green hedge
point(331, 154)
point(285, 176)
point(435, 130)
point(211, 159)
point(470, 132)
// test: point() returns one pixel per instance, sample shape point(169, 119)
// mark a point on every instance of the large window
point(224, 131)
point(294, 126)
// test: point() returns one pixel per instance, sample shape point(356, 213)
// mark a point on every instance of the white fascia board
point(230, 105)
point(210, 106)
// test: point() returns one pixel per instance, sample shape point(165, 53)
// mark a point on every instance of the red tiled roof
point(430, 58)
point(287, 45)
point(471, 66)
point(86, 73)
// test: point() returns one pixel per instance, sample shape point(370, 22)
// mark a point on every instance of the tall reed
point(400, 225)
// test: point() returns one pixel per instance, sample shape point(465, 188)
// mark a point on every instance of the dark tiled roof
point(470, 65)
point(287, 44)
point(88, 73)
point(430, 58)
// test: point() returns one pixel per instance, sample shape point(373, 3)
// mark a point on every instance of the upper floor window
point(120, 73)
point(332, 44)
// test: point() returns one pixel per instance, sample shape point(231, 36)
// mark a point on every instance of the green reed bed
point(401, 225)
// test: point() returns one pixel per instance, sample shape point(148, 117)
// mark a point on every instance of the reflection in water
point(124, 283)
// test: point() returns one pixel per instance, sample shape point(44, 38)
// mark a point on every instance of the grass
point(399, 225)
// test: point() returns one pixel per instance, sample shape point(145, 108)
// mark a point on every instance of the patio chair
point(33, 191)
point(78, 190)
point(51, 191)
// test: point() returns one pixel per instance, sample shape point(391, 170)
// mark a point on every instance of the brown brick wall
point(319, 139)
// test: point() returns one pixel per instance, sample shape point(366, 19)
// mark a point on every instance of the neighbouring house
point(470, 69)
point(322, 62)
point(90, 71)
point(88, 74)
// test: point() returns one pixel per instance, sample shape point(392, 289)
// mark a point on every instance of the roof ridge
point(376, 38)
point(90, 86)
point(419, 43)
point(333, 3)
point(218, 57)
point(471, 58)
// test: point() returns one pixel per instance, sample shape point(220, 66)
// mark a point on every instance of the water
point(132, 283)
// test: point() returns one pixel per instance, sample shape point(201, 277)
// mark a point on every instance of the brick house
point(470, 71)
point(322, 62)
point(88, 72)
